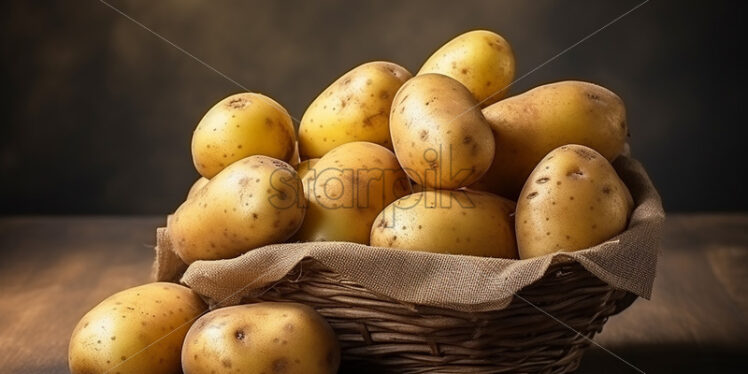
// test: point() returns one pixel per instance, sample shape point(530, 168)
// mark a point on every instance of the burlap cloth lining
point(462, 283)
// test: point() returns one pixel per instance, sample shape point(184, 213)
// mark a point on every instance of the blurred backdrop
point(100, 111)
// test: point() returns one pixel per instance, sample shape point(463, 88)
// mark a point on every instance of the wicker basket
point(550, 306)
point(544, 330)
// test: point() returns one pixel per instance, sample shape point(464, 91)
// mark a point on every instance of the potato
point(458, 222)
point(261, 338)
point(440, 136)
point(481, 60)
point(573, 200)
point(241, 125)
point(346, 190)
point(197, 186)
point(355, 107)
point(253, 202)
point(528, 126)
point(304, 166)
point(138, 330)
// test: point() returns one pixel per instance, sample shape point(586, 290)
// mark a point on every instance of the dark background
point(99, 112)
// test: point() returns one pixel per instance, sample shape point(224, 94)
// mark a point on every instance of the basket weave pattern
point(378, 334)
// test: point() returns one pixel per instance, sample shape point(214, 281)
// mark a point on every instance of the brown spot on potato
point(238, 103)
point(289, 327)
point(226, 363)
point(585, 153)
point(575, 173)
point(532, 195)
point(467, 140)
point(542, 180)
point(593, 96)
point(606, 190)
point(280, 365)
point(424, 134)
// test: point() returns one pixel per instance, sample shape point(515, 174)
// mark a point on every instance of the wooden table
point(53, 269)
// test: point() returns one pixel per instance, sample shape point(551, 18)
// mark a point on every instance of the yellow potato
point(439, 134)
point(346, 190)
point(481, 60)
point(573, 200)
point(197, 186)
point(286, 338)
point(304, 166)
point(138, 330)
point(458, 222)
point(528, 126)
point(242, 125)
point(355, 107)
point(253, 202)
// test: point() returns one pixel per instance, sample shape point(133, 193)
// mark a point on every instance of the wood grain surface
point(54, 269)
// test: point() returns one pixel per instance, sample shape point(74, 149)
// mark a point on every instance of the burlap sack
point(462, 283)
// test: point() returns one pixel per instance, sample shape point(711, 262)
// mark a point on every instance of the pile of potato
point(437, 162)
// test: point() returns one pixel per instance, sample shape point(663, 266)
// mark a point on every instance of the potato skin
point(253, 202)
point(457, 222)
point(355, 107)
point(528, 126)
point(238, 126)
point(261, 338)
point(481, 60)
point(304, 166)
point(197, 186)
point(109, 337)
point(439, 135)
point(346, 190)
point(573, 200)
